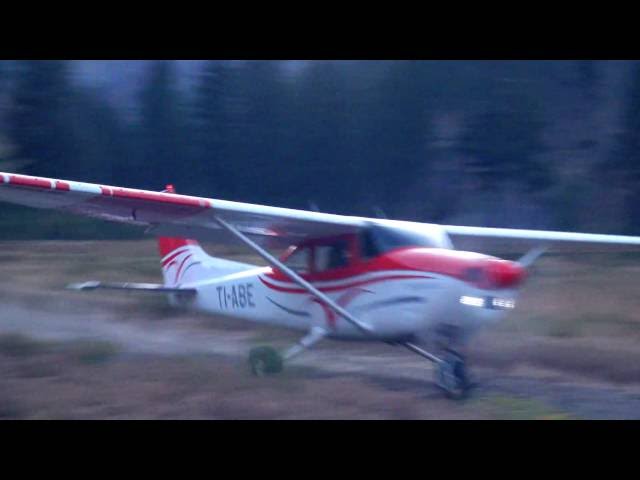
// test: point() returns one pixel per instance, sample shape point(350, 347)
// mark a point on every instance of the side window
point(367, 245)
point(299, 260)
point(332, 256)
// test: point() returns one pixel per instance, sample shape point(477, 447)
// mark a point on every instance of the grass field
point(103, 355)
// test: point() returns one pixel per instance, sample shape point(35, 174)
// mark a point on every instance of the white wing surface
point(540, 236)
point(169, 214)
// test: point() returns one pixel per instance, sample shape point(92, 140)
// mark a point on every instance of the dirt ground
point(570, 351)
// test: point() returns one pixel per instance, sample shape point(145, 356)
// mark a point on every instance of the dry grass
point(515, 408)
point(216, 388)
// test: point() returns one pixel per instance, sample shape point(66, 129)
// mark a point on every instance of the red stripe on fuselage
point(482, 271)
point(182, 265)
point(172, 257)
point(343, 287)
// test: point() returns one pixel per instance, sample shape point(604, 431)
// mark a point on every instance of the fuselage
point(401, 293)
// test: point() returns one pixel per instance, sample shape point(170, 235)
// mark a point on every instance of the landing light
point(504, 303)
point(472, 301)
point(488, 302)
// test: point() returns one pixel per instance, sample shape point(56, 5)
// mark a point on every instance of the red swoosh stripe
point(182, 265)
point(341, 287)
point(174, 256)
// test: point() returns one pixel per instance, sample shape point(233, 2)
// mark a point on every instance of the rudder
point(184, 261)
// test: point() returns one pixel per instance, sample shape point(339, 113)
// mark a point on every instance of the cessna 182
point(342, 277)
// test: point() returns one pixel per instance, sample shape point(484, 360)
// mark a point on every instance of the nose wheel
point(451, 371)
point(451, 375)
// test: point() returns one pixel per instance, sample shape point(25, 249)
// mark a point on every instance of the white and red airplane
point(342, 277)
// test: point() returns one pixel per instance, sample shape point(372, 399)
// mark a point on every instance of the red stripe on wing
point(155, 197)
point(24, 181)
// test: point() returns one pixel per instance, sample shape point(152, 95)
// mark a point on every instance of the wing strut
point(314, 336)
point(295, 277)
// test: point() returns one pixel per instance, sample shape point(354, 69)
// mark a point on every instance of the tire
point(451, 376)
point(264, 361)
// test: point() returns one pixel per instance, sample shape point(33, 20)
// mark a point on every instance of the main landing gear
point(265, 361)
point(268, 361)
point(450, 374)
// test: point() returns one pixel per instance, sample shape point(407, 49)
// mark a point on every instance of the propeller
point(526, 261)
point(531, 256)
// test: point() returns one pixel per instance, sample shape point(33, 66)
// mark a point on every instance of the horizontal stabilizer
point(139, 287)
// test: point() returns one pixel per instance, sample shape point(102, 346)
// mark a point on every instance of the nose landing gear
point(451, 375)
point(451, 372)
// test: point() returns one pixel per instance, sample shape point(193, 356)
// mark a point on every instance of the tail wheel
point(264, 361)
point(451, 376)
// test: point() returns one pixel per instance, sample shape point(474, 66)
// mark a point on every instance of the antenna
point(379, 212)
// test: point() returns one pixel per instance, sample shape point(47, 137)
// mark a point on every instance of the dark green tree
point(100, 140)
point(161, 142)
point(265, 136)
point(38, 118)
point(214, 115)
point(623, 167)
point(321, 129)
point(503, 142)
point(399, 134)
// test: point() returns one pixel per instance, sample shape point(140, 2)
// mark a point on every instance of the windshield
point(377, 240)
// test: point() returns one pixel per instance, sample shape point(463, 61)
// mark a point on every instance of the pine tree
point(623, 168)
point(38, 116)
point(265, 137)
point(100, 140)
point(214, 111)
point(502, 144)
point(162, 157)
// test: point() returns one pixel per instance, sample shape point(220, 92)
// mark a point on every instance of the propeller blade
point(531, 256)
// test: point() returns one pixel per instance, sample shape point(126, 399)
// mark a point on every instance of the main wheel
point(451, 376)
point(264, 361)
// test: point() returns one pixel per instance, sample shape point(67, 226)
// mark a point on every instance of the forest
point(505, 143)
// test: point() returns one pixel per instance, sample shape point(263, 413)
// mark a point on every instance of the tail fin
point(184, 261)
point(180, 260)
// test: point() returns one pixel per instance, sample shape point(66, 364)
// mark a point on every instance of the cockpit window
point(332, 256)
point(299, 260)
point(376, 240)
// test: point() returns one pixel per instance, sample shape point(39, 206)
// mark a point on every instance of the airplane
point(340, 277)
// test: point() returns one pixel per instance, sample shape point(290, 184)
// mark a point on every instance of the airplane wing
point(473, 237)
point(540, 235)
point(169, 214)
